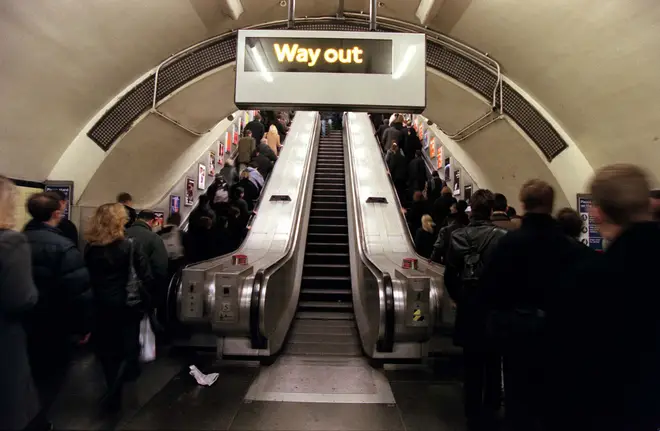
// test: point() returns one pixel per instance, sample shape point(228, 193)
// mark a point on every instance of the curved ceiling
point(590, 65)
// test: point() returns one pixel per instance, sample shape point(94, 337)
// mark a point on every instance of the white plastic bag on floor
point(147, 341)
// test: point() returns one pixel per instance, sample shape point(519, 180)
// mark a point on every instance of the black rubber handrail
point(386, 344)
point(257, 339)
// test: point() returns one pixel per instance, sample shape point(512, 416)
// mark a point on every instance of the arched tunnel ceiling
point(591, 64)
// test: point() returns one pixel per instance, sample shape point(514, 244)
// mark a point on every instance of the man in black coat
point(127, 201)
point(417, 173)
point(396, 163)
point(521, 287)
point(63, 308)
point(256, 127)
point(66, 226)
point(611, 323)
point(470, 249)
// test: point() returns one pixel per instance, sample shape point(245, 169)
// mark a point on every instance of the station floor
point(295, 393)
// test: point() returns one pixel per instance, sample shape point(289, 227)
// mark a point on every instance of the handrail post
point(291, 16)
point(373, 5)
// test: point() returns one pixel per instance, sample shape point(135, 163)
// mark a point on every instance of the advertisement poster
point(175, 204)
point(159, 221)
point(201, 177)
point(467, 193)
point(439, 158)
point(234, 134)
point(447, 170)
point(221, 148)
point(590, 234)
point(432, 148)
point(190, 192)
point(228, 142)
point(457, 182)
point(420, 131)
point(211, 163)
point(66, 187)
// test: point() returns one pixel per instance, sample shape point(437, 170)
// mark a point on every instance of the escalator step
point(321, 316)
point(310, 291)
point(325, 304)
point(326, 278)
point(329, 258)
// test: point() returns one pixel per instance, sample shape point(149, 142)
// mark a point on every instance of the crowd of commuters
point(572, 332)
point(54, 296)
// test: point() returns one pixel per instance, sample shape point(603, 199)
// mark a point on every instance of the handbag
point(134, 284)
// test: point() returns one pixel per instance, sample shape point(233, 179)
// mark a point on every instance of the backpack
point(173, 245)
point(473, 262)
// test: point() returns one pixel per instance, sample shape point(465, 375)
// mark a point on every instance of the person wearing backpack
point(173, 238)
point(470, 249)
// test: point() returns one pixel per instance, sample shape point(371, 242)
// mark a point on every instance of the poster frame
point(600, 243)
point(201, 176)
point(173, 199)
point(50, 185)
point(189, 200)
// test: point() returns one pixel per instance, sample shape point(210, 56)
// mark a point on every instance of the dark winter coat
point(251, 192)
point(69, 231)
point(417, 174)
point(394, 133)
point(64, 305)
point(230, 174)
point(263, 164)
point(502, 220)
point(396, 163)
point(265, 150)
point(257, 129)
point(444, 236)
point(424, 242)
point(19, 401)
point(153, 247)
point(471, 315)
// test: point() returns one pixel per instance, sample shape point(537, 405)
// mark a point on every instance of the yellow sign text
point(310, 56)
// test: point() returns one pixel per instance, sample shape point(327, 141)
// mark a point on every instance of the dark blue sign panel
point(590, 234)
point(65, 187)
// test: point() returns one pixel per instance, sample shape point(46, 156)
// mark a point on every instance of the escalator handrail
point(402, 217)
point(385, 342)
point(259, 284)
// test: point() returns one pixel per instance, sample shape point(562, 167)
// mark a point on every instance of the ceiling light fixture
point(235, 8)
point(260, 65)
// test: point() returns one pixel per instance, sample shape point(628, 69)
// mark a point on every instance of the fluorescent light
point(407, 58)
point(260, 64)
point(235, 8)
point(423, 10)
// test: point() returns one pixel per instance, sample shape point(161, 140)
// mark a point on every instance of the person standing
point(470, 250)
point(246, 146)
point(64, 306)
point(127, 201)
point(109, 257)
point(19, 401)
point(256, 127)
point(66, 226)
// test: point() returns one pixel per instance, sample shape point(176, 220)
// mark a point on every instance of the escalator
point(324, 323)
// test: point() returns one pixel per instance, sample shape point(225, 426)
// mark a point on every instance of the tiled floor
point(167, 398)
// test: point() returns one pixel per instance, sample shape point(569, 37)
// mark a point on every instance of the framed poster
point(420, 131)
point(228, 142)
point(159, 221)
point(432, 148)
point(66, 187)
point(175, 204)
point(190, 192)
point(457, 182)
point(211, 169)
point(439, 158)
point(467, 193)
point(234, 134)
point(590, 234)
point(221, 149)
point(201, 176)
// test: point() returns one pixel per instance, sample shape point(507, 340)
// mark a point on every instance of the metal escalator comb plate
point(280, 198)
point(376, 200)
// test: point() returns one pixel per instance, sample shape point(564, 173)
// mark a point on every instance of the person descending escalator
point(425, 236)
point(418, 207)
point(471, 248)
point(394, 134)
point(442, 206)
point(250, 190)
point(456, 219)
point(66, 226)
point(201, 244)
point(174, 239)
point(229, 173)
point(256, 127)
point(262, 164)
point(396, 163)
point(417, 175)
point(500, 217)
point(412, 145)
point(255, 176)
point(270, 144)
point(380, 131)
point(433, 188)
point(246, 146)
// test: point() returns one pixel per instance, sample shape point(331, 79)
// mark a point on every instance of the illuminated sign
point(369, 56)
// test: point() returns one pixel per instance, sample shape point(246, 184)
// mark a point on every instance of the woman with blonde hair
point(425, 237)
point(19, 402)
point(110, 258)
point(273, 139)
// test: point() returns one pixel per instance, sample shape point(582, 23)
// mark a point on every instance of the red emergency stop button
point(409, 263)
point(239, 259)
